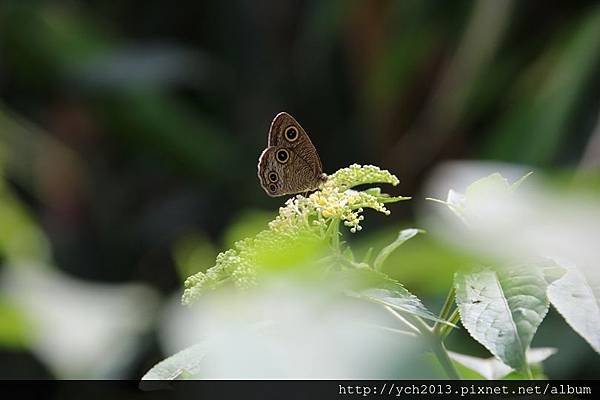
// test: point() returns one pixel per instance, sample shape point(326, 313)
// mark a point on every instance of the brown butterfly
point(290, 163)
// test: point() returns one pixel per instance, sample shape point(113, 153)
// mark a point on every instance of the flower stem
point(334, 231)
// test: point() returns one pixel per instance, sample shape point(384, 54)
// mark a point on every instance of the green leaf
point(377, 287)
point(492, 189)
point(492, 368)
point(384, 197)
point(403, 236)
point(14, 328)
point(349, 254)
point(367, 258)
point(576, 296)
point(20, 238)
point(503, 308)
point(182, 365)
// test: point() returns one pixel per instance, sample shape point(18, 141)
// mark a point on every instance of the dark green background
point(140, 123)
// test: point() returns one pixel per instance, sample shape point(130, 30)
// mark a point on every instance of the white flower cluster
point(337, 200)
point(302, 218)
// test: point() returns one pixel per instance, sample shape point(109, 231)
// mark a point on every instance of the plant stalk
point(404, 320)
point(528, 371)
point(445, 330)
point(335, 232)
point(442, 355)
point(437, 346)
point(448, 303)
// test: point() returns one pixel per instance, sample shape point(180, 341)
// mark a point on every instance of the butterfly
point(290, 164)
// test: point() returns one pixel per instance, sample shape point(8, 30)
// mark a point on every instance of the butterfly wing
point(290, 164)
point(279, 178)
point(286, 132)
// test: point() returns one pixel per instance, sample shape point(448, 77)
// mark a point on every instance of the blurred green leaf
point(193, 251)
point(577, 298)
point(403, 236)
point(20, 237)
point(183, 365)
point(48, 39)
point(170, 130)
point(492, 188)
point(296, 253)
point(247, 224)
point(14, 330)
point(492, 368)
point(424, 262)
point(537, 123)
point(402, 59)
point(371, 285)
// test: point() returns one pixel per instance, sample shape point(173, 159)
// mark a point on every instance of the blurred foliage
point(492, 368)
point(424, 262)
point(192, 251)
point(14, 329)
point(21, 242)
point(20, 238)
point(247, 224)
point(546, 96)
point(129, 135)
